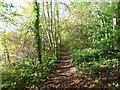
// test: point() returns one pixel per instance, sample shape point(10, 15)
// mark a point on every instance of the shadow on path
point(64, 74)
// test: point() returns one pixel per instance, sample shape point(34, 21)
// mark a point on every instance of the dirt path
point(64, 74)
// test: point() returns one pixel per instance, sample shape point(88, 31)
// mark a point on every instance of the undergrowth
point(27, 72)
point(102, 66)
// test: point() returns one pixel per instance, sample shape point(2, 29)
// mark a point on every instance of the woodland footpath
point(54, 44)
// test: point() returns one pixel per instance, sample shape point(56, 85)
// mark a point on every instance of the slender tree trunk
point(50, 36)
point(7, 55)
point(58, 30)
point(58, 36)
point(118, 16)
point(118, 23)
point(55, 28)
point(37, 34)
point(6, 51)
point(44, 26)
point(51, 23)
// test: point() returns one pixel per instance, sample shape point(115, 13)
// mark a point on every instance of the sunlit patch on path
point(64, 74)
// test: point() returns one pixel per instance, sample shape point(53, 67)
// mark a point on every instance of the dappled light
point(59, 44)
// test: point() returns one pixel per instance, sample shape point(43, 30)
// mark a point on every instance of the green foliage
point(86, 55)
point(89, 29)
point(47, 60)
point(28, 72)
point(25, 69)
point(95, 57)
point(99, 52)
point(97, 63)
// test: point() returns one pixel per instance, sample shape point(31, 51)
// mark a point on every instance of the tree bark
point(37, 34)
point(118, 23)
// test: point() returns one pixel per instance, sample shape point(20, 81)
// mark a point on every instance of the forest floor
point(64, 74)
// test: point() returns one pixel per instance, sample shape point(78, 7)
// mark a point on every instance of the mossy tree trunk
point(37, 32)
point(118, 23)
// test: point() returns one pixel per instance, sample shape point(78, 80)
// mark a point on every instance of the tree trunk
point(37, 34)
point(118, 23)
